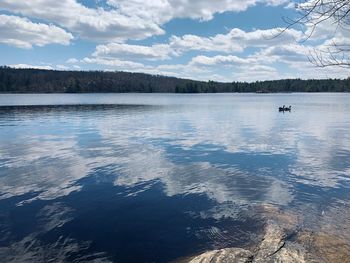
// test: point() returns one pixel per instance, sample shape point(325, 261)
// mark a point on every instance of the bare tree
point(333, 13)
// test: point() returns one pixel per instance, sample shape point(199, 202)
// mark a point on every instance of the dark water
point(153, 178)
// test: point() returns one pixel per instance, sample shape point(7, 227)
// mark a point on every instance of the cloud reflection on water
point(239, 129)
point(235, 153)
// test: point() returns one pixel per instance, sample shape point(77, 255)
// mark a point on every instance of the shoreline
point(283, 241)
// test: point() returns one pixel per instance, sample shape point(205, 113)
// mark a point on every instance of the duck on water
point(284, 108)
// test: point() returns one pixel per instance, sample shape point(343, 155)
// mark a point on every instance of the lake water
point(160, 177)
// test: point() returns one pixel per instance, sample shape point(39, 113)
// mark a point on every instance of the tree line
point(51, 81)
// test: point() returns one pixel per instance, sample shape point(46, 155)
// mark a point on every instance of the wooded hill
point(51, 81)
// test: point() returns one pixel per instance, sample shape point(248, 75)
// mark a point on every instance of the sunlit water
point(154, 178)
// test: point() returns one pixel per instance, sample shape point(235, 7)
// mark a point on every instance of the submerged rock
point(227, 255)
point(288, 254)
point(329, 242)
point(271, 244)
point(272, 249)
point(289, 221)
point(324, 247)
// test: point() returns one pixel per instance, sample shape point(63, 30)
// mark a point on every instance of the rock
point(288, 255)
point(227, 255)
point(325, 247)
point(272, 249)
point(286, 220)
point(272, 242)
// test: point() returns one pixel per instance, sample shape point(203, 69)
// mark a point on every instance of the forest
point(51, 81)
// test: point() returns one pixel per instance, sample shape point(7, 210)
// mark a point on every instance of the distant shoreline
point(37, 81)
point(169, 93)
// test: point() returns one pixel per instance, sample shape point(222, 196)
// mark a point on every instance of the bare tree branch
point(313, 13)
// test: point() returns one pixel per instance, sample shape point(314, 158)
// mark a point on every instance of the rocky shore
point(272, 249)
point(277, 246)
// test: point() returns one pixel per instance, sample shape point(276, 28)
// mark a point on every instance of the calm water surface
point(154, 178)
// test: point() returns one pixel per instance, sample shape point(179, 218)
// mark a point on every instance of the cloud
point(89, 23)
point(23, 66)
point(257, 72)
point(235, 55)
point(62, 67)
point(162, 11)
point(284, 53)
point(72, 61)
point(265, 64)
point(46, 67)
point(235, 41)
point(23, 33)
point(126, 51)
point(115, 63)
point(221, 43)
point(124, 19)
point(218, 60)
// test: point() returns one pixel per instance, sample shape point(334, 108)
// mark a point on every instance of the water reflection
point(132, 181)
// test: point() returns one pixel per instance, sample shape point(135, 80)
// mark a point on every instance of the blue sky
point(224, 40)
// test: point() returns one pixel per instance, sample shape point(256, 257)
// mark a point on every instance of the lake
point(162, 177)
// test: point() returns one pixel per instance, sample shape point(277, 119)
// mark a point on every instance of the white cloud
point(216, 57)
point(174, 70)
point(263, 38)
point(235, 41)
point(24, 66)
point(94, 24)
point(45, 67)
point(221, 43)
point(263, 65)
point(284, 53)
point(125, 19)
point(62, 67)
point(218, 60)
point(115, 63)
point(125, 51)
point(22, 33)
point(162, 11)
point(256, 72)
point(72, 61)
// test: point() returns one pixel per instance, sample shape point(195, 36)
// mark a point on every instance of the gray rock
point(227, 255)
point(288, 254)
point(271, 244)
point(272, 249)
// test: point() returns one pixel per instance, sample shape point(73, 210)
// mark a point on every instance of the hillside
point(50, 81)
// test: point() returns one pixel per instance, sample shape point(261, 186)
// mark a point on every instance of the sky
point(221, 40)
